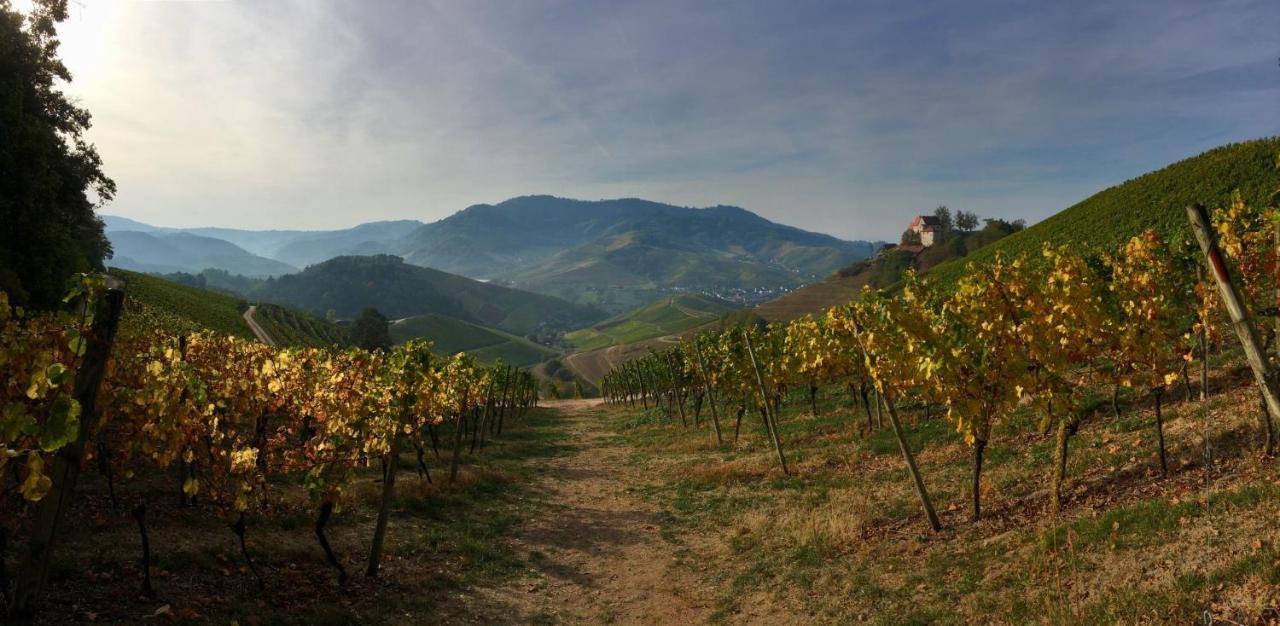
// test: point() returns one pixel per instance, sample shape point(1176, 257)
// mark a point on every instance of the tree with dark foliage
point(966, 221)
point(370, 330)
point(945, 221)
point(51, 178)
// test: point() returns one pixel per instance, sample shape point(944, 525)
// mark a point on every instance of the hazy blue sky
point(842, 117)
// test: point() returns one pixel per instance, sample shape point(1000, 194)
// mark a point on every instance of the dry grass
point(843, 539)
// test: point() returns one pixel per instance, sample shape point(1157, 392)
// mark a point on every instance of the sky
point(841, 117)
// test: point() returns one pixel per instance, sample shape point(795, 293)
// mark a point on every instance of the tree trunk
point(326, 509)
point(4, 573)
point(66, 465)
point(737, 424)
point(457, 448)
point(140, 515)
point(979, 446)
point(384, 508)
point(104, 468)
point(711, 398)
point(435, 440)
point(1158, 392)
point(423, 471)
point(813, 399)
point(1186, 380)
point(239, 529)
point(1059, 468)
point(866, 406)
point(1268, 428)
point(502, 408)
point(1204, 363)
point(684, 421)
point(1115, 400)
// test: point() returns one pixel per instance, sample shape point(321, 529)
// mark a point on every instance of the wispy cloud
point(832, 116)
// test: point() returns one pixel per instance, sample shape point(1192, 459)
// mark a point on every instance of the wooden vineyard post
point(883, 398)
point(1240, 321)
point(706, 387)
point(676, 390)
point(910, 458)
point(764, 397)
point(1276, 303)
point(1204, 339)
point(66, 465)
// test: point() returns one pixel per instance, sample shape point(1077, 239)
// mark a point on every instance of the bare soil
point(601, 554)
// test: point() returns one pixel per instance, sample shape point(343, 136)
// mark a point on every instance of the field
point(208, 309)
point(667, 316)
point(224, 314)
point(842, 539)
point(292, 328)
point(451, 336)
point(815, 298)
point(445, 539)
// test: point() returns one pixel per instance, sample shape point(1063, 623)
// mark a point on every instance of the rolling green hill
point(346, 285)
point(883, 270)
point(451, 336)
point(225, 314)
point(288, 327)
point(208, 309)
point(1156, 200)
point(665, 317)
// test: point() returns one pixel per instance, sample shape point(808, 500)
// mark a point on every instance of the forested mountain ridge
point(532, 229)
point(345, 285)
point(612, 254)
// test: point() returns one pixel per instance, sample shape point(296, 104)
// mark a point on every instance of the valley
point(566, 312)
point(572, 312)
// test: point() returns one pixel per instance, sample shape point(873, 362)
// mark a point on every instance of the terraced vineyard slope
point(667, 316)
point(223, 313)
point(450, 336)
point(1155, 200)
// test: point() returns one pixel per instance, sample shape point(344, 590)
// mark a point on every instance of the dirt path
point(253, 325)
point(600, 556)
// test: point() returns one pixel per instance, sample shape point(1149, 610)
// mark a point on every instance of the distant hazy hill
point(577, 248)
point(348, 284)
point(614, 254)
point(365, 239)
point(163, 252)
point(295, 247)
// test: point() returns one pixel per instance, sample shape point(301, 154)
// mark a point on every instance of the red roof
point(926, 221)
